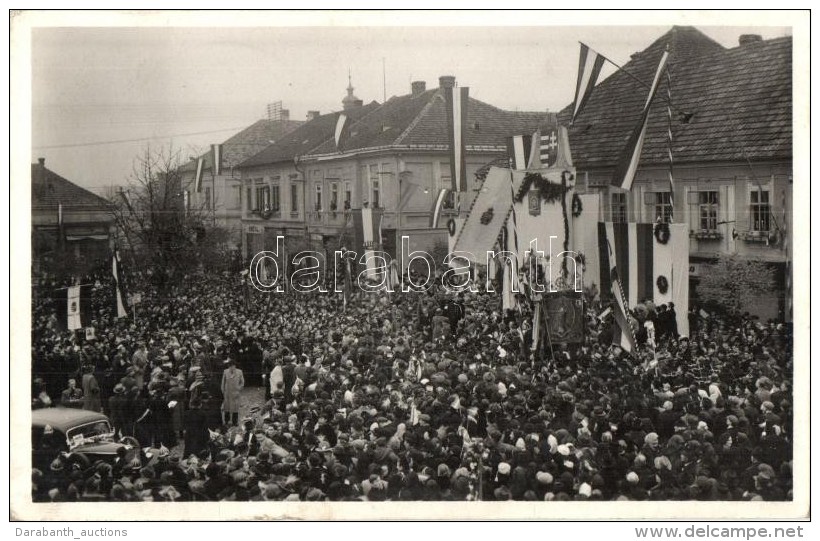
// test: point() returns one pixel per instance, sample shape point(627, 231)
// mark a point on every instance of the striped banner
point(200, 163)
point(626, 337)
point(638, 264)
point(73, 319)
point(216, 151)
point(589, 68)
point(438, 204)
point(340, 126)
point(627, 165)
point(519, 149)
point(119, 287)
point(456, 103)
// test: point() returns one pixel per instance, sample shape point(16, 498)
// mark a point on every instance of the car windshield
point(78, 434)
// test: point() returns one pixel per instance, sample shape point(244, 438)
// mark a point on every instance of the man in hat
point(232, 384)
point(91, 390)
point(118, 409)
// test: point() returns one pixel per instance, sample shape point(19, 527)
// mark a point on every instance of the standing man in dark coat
point(118, 409)
point(196, 429)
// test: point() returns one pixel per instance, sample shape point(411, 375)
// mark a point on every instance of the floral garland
point(549, 191)
point(662, 232)
point(577, 206)
point(663, 284)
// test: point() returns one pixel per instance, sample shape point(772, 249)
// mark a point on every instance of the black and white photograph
point(446, 265)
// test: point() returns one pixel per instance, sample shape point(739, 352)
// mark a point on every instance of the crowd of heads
point(423, 396)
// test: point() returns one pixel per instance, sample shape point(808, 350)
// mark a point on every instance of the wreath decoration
point(549, 191)
point(451, 227)
point(577, 207)
point(662, 232)
point(486, 218)
point(663, 284)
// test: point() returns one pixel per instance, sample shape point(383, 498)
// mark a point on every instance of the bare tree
point(166, 232)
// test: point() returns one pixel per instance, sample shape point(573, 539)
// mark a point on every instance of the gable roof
point(49, 190)
point(740, 100)
point(305, 138)
point(247, 142)
point(419, 121)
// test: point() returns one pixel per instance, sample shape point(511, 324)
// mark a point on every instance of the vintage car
point(78, 436)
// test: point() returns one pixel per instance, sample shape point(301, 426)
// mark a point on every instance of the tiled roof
point(740, 100)
point(305, 138)
point(248, 142)
point(419, 120)
point(49, 190)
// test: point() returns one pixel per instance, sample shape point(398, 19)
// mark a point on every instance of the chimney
point(42, 162)
point(285, 115)
point(311, 115)
point(447, 81)
point(418, 87)
point(746, 39)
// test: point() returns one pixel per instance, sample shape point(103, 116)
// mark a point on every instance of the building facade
point(731, 125)
point(72, 229)
point(221, 194)
point(393, 157)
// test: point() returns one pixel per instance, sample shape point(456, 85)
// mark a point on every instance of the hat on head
point(632, 478)
point(543, 477)
point(119, 388)
point(503, 468)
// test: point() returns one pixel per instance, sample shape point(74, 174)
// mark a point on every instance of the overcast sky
point(99, 95)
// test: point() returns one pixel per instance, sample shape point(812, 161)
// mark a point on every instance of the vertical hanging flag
point(438, 204)
point(628, 163)
point(535, 151)
point(624, 337)
point(456, 103)
point(340, 126)
point(216, 151)
point(200, 164)
point(186, 200)
point(519, 148)
point(119, 287)
point(73, 319)
point(589, 67)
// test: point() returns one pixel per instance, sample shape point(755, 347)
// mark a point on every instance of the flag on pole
point(669, 138)
point(119, 287)
point(200, 164)
point(438, 204)
point(519, 149)
point(73, 306)
point(628, 163)
point(340, 126)
point(624, 337)
point(216, 150)
point(456, 103)
point(73, 318)
point(589, 68)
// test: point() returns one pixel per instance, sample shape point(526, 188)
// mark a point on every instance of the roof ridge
point(419, 117)
point(355, 122)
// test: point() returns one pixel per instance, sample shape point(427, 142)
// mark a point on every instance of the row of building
point(731, 120)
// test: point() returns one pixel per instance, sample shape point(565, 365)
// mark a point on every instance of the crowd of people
point(422, 396)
